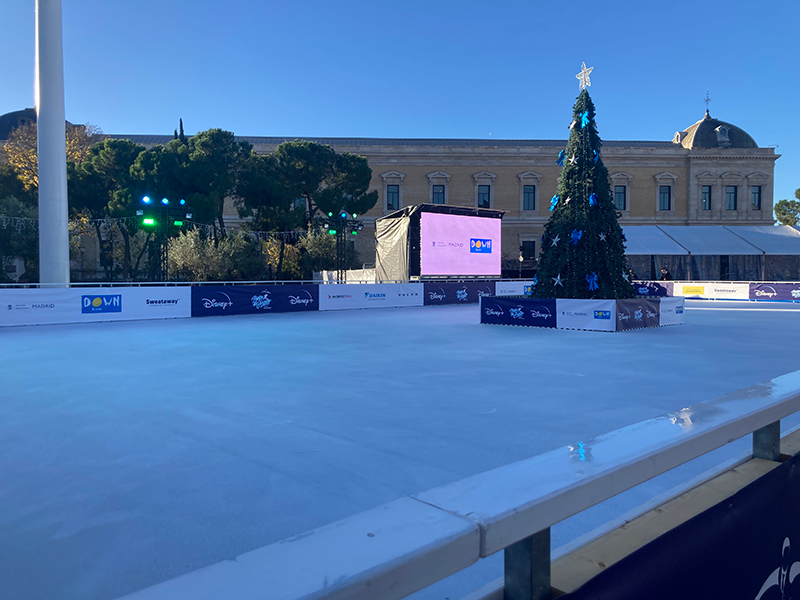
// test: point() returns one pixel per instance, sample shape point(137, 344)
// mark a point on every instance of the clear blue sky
point(460, 69)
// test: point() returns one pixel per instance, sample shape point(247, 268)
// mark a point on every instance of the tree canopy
point(788, 211)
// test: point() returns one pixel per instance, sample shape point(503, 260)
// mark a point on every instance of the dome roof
point(12, 120)
point(713, 133)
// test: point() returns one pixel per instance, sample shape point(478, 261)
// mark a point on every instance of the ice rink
point(131, 453)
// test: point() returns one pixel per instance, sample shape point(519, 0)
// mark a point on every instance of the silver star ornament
point(583, 76)
point(602, 237)
point(572, 125)
point(557, 280)
point(573, 160)
point(625, 276)
point(567, 200)
point(556, 240)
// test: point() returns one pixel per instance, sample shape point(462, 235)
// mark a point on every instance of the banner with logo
point(775, 291)
point(597, 315)
point(747, 546)
point(513, 288)
point(343, 296)
point(456, 293)
point(528, 312)
point(671, 311)
point(653, 288)
point(82, 305)
point(637, 313)
point(218, 300)
point(690, 290)
point(713, 291)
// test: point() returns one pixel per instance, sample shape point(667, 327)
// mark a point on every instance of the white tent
point(781, 240)
point(649, 239)
point(710, 240)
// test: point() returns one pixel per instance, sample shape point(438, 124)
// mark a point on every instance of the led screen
point(459, 245)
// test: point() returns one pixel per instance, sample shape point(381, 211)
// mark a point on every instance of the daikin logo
point(480, 246)
point(214, 303)
point(604, 314)
point(101, 304)
point(371, 296)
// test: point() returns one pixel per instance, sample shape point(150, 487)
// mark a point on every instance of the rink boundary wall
point(396, 549)
point(81, 303)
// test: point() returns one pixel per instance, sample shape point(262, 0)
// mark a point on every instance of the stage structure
point(435, 241)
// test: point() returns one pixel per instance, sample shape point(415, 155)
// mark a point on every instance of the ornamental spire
point(583, 76)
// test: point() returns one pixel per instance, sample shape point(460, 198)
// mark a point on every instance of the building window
point(730, 197)
point(484, 198)
point(528, 250)
point(438, 194)
point(756, 197)
point(665, 197)
point(706, 197)
point(620, 197)
point(392, 197)
point(528, 199)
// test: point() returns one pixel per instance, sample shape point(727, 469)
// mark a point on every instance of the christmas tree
point(583, 247)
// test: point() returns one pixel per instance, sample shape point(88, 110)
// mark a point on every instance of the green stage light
point(178, 223)
point(148, 221)
point(330, 214)
point(354, 232)
point(332, 231)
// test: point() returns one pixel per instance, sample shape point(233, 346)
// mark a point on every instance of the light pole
point(51, 145)
point(339, 225)
point(158, 218)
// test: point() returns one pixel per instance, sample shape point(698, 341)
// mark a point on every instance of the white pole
point(51, 142)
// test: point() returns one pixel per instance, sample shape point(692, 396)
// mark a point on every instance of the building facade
point(710, 173)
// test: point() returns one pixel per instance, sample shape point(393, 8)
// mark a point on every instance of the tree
point(103, 186)
point(327, 181)
point(195, 257)
point(583, 247)
point(788, 211)
point(19, 236)
point(21, 149)
point(267, 204)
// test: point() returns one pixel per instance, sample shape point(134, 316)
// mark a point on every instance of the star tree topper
point(583, 76)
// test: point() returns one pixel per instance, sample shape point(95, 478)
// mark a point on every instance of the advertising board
point(513, 288)
point(218, 300)
point(597, 315)
point(528, 312)
point(344, 296)
point(637, 313)
point(82, 305)
point(467, 292)
point(671, 311)
point(775, 291)
point(459, 245)
point(653, 288)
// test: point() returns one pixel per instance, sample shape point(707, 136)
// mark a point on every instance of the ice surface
point(135, 452)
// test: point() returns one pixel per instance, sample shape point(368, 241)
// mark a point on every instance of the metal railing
point(398, 548)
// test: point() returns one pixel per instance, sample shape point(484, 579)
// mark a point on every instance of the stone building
point(712, 172)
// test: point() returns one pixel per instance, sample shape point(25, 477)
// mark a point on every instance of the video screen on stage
point(459, 245)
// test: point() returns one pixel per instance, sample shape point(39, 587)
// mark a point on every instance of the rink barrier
point(34, 304)
point(588, 315)
point(398, 548)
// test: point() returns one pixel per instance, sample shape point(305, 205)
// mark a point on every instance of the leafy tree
point(12, 185)
point(583, 247)
point(195, 257)
point(788, 211)
point(103, 186)
point(318, 253)
point(266, 203)
point(327, 181)
point(20, 238)
point(21, 149)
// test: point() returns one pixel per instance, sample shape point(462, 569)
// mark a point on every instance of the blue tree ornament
point(576, 235)
point(584, 118)
point(593, 200)
point(592, 281)
point(553, 202)
point(560, 160)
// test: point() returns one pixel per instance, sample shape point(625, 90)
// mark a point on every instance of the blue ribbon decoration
point(592, 281)
point(584, 118)
point(560, 159)
point(553, 202)
point(593, 199)
point(535, 280)
point(576, 235)
point(596, 156)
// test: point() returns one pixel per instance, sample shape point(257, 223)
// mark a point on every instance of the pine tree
point(181, 135)
point(583, 247)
